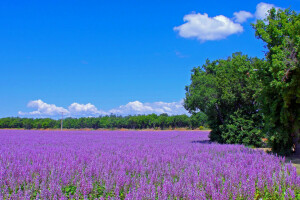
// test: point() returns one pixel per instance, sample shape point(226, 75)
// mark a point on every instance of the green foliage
point(154, 121)
point(224, 90)
point(69, 190)
point(238, 128)
point(197, 119)
point(280, 77)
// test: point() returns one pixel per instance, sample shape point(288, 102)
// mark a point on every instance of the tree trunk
point(219, 113)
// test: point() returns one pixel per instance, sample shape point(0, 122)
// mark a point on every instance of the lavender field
point(137, 165)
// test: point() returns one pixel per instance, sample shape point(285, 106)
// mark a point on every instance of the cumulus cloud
point(89, 109)
point(43, 109)
point(242, 16)
point(50, 110)
point(203, 27)
point(262, 10)
point(137, 107)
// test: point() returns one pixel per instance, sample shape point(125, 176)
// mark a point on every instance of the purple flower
point(136, 165)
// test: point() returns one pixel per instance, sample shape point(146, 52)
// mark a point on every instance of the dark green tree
point(224, 90)
point(280, 77)
point(198, 119)
point(162, 120)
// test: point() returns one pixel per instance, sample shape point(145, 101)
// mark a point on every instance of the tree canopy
point(280, 77)
point(224, 90)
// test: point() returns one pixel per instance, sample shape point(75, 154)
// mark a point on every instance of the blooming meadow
point(137, 165)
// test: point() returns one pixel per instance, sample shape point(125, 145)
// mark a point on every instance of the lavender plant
point(137, 165)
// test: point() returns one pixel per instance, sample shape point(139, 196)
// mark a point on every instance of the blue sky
point(87, 58)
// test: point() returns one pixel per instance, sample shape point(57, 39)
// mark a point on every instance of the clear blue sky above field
point(87, 58)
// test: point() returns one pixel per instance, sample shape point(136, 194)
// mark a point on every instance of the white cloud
point(89, 110)
point(137, 107)
point(203, 27)
point(242, 16)
point(262, 10)
point(50, 110)
point(84, 110)
point(131, 108)
point(44, 109)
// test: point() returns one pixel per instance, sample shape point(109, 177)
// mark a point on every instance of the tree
point(27, 123)
point(111, 121)
point(198, 119)
point(280, 94)
point(224, 90)
point(162, 119)
point(153, 121)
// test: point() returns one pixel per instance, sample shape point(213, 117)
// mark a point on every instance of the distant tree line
point(154, 121)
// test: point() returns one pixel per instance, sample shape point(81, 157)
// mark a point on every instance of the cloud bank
point(43, 109)
point(205, 28)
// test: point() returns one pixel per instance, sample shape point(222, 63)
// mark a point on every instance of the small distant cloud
point(180, 55)
point(242, 16)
